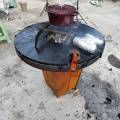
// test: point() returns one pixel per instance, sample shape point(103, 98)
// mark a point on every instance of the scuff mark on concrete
point(19, 115)
point(14, 70)
point(42, 106)
point(8, 73)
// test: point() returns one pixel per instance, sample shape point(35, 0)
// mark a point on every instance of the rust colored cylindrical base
point(61, 82)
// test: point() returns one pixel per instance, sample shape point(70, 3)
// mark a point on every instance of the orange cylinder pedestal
point(61, 82)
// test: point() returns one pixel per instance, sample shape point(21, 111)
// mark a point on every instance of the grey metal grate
point(114, 61)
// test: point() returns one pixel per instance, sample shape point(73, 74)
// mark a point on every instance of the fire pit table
point(43, 46)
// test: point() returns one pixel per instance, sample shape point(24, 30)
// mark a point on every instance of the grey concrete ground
point(24, 94)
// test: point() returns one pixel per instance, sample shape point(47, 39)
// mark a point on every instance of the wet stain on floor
point(19, 115)
point(101, 99)
point(13, 70)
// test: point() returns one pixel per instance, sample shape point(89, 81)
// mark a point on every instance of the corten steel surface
point(49, 55)
point(61, 82)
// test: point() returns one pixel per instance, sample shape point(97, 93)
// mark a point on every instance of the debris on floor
point(11, 18)
point(96, 3)
point(88, 116)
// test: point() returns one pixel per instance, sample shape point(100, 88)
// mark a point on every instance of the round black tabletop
point(50, 55)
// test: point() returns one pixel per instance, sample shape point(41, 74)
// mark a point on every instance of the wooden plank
point(46, 77)
point(51, 79)
point(74, 79)
point(62, 82)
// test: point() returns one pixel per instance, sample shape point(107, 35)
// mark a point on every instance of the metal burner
point(58, 38)
point(57, 34)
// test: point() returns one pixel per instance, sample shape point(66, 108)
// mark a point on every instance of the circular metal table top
point(48, 55)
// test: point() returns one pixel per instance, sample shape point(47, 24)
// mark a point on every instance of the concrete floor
point(24, 94)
